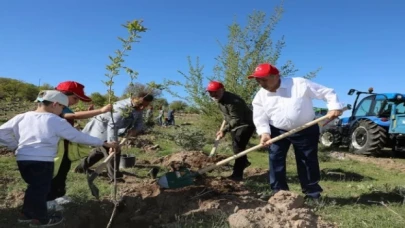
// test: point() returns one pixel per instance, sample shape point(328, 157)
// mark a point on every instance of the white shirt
point(291, 105)
point(35, 135)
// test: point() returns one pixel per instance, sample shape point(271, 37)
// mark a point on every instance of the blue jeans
point(38, 176)
point(305, 145)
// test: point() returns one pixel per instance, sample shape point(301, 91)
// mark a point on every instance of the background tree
point(46, 86)
point(159, 102)
point(98, 99)
point(135, 88)
point(112, 97)
point(178, 105)
point(28, 92)
point(246, 47)
point(192, 110)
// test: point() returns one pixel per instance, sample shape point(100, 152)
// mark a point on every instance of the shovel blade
point(177, 179)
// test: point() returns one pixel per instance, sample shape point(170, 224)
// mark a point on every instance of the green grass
point(351, 198)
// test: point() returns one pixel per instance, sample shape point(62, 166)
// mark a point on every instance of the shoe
point(63, 200)
point(312, 201)
point(53, 221)
point(247, 164)
point(23, 218)
point(54, 206)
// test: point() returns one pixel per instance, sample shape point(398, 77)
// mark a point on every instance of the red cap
point(73, 87)
point(264, 70)
point(214, 86)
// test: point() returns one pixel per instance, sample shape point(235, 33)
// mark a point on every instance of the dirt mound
point(152, 207)
point(188, 159)
point(145, 205)
point(284, 209)
point(5, 151)
point(143, 142)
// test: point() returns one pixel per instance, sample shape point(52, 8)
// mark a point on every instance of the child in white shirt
point(34, 136)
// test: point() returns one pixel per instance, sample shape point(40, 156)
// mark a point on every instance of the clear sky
point(358, 43)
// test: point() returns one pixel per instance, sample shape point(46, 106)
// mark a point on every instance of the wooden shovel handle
point(282, 136)
point(109, 157)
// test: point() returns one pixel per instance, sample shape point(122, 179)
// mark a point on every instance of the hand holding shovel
point(214, 149)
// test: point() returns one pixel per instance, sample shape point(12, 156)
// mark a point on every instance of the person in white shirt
point(34, 136)
point(283, 104)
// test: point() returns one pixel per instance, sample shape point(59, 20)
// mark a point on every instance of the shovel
point(184, 177)
point(214, 149)
point(91, 177)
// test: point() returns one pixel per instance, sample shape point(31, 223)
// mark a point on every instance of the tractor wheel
point(330, 139)
point(368, 138)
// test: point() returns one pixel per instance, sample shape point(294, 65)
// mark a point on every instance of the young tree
point(246, 47)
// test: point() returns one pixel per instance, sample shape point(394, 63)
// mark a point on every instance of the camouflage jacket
point(235, 111)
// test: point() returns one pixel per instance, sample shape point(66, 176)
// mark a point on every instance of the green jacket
point(235, 111)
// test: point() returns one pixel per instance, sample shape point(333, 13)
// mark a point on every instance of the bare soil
point(145, 204)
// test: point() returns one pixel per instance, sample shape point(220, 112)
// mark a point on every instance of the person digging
point(281, 105)
point(128, 118)
point(239, 123)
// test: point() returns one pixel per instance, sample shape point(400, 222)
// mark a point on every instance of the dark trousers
point(240, 139)
point(305, 145)
point(58, 185)
point(38, 176)
point(95, 156)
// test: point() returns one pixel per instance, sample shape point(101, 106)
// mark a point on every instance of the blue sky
point(358, 43)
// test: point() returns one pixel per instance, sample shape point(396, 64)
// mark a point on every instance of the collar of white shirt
point(283, 85)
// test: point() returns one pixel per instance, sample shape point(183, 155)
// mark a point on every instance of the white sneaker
point(54, 206)
point(63, 200)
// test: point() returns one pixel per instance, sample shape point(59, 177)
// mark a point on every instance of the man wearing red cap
point(75, 93)
point(238, 118)
point(283, 104)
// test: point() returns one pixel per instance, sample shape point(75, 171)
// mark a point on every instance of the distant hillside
point(15, 90)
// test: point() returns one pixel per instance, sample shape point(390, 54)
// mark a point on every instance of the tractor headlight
point(399, 97)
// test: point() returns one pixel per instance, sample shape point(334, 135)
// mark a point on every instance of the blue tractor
point(377, 122)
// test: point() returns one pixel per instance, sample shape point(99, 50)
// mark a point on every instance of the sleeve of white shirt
point(260, 119)
point(67, 131)
point(7, 136)
point(321, 92)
